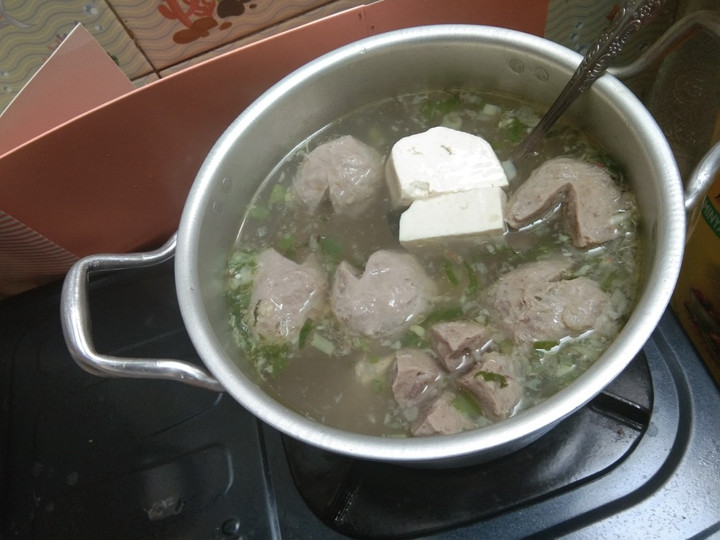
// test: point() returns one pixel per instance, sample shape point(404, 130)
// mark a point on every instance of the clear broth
point(341, 379)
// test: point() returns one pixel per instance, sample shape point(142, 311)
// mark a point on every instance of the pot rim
point(537, 419)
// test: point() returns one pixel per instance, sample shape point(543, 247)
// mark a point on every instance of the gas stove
point(90, 457)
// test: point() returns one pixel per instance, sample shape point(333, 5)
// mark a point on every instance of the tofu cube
point(439, 161)
point(453, 217)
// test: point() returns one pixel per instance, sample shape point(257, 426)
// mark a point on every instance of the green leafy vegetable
point(464, 403)
point(331, 248)
point(490, 376)
point(516, 130)
point(286, 245)
point(411, 339)
point(270, 358)
point(304, 332)
point(444, 314)
point(472, 278)
point(259, 212)
point(322, 344)
point(450, 272)
point(432, 109)
point(545, 345)
point(277, 195)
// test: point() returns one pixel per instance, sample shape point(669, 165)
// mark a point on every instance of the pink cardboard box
point(115, 178)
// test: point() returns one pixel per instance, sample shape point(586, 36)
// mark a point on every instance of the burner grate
point(407, 502)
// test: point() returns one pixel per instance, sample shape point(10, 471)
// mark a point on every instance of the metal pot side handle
point(682, 30)
point(702, 178)
point(704, 173)
point(76, 324)
point(75, 312)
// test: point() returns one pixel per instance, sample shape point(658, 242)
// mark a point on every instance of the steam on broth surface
point(344, 379)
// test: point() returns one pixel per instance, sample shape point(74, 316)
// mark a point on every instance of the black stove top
point(89, 457)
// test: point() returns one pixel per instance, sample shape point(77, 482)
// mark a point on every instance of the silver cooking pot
point(434, 57)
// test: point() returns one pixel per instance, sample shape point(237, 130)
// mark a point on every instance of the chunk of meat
point(284, 295)
point(416, 377)
point(589, 194)
point(440, 417)
point(493, 384)
point(350, 171)
point(457, 343)
point(393, 291)
point(536, 302)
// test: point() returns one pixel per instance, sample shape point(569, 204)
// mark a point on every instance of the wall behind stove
point(152, 38)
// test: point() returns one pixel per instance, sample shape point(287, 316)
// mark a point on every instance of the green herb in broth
point(332, 248)
point(317, 375)
point(466, 405)
point(304, 332)
point(490, 376)
point(450, 272)
point(414, 340)
point(435, 110)
point(471, 277)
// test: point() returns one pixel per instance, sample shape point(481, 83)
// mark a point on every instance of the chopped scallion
point(322, 344)
point(305, 332)
point(491, 376)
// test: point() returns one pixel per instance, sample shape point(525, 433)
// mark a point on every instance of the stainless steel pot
point(448, 56)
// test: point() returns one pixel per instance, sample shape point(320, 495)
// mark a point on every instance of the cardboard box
point(115, 178)
point(696, 299)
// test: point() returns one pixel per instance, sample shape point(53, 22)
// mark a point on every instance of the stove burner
point(407, 502)
point(90, 457)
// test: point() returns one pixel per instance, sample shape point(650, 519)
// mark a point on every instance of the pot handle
point(704, 173)
point(680, 31)
point(76, 324)
point(702, 178)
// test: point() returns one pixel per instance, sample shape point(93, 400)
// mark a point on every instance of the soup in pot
point(397, 275)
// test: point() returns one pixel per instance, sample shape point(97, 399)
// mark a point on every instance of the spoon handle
point(593, 65)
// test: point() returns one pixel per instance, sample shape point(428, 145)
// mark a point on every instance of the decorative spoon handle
point(631, 17)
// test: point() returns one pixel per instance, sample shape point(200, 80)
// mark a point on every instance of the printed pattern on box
point(169, 31)
point(30, 30)
point(151, 38)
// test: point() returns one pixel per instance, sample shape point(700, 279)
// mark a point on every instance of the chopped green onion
point(450, 273)
point(271, 358)
point(287, 245)
point(466, 404)
point(452, 120)
point(516, 130)
point(331, 248)
point(472, 278)
point(411, 339)
point(490, 376)
point(304, 332)
point(432, 108)
point(277, 195)
point(545, 345)
point(322, 344)
point(259, 212)
point(444, 314)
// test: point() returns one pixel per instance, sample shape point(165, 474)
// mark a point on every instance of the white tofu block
point(440, 160)
point(452, 217)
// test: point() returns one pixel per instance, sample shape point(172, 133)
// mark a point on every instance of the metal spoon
point(632, 16)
